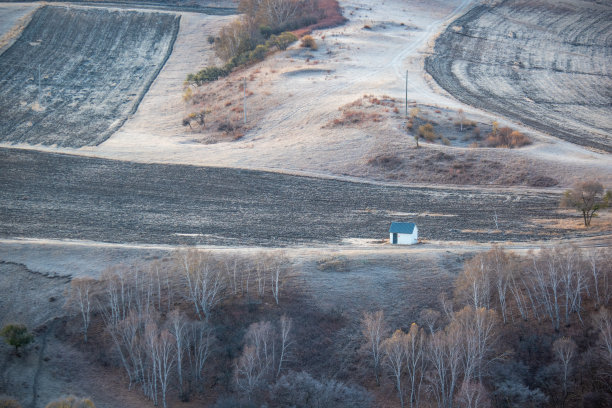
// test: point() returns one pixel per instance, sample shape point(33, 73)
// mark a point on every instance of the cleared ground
point(545, 63)
point(75, 75)
point(69, 197)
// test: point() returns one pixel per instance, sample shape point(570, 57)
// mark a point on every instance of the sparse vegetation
point(333, 263)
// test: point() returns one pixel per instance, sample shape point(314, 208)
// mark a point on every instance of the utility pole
point(39, 85)
point(406, 101)
point(245, 115)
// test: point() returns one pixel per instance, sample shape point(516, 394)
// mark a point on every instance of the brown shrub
point(506, 137)
point(309, 42)
point(427, 131)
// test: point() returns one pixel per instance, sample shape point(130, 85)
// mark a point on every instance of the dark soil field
point(69, 197)
point(213, 7)
point(545, 63)
point(92, 67)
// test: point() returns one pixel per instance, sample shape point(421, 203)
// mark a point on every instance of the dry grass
point(602, 222)
point(366, 110)
point(10, 36)
point(333, 264)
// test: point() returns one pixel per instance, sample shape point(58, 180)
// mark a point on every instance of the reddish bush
point(506, 137)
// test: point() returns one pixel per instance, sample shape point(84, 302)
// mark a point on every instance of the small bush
point(258, 54)
point(16, 335)
point(427, 131)
point(282, 41)
point(72, 402)
point(445, 141)
point(309, 42)
point(210, 39)
point(208, 74)
point(302, 390)
point(9, 403)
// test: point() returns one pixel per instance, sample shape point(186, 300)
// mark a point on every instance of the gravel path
point(56, 196)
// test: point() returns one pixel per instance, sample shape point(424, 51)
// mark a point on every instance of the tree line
point(518, 331)
point(263, 26)
point(157, 317)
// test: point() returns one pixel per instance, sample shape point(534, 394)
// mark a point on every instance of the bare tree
point(547, 281)
point(444, 354)
point(81, 298)
point(179, 329)
point(165, 356)
point(499, 262)
point(474, 284)
point(278, 270)
point(603, 322)
point(564, 349)
point(285, 342)
point(587, 197)
point(200, 340)
point(247, 375)
point(280, 12)
point(255, 365)
point(429, 317)
point(118, 291)
point(460, 118)
point(205, 282)
point(373, 328)
point(574, 282)
point(599, 264)
point(393, 350)
point(414, 353)
point(478, 334)
point(472, 394)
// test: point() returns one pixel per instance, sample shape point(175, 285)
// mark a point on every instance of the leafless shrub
point(308, 42)
point(333, 263)
point(427, 131)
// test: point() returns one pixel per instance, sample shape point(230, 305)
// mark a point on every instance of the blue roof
point(402, 227)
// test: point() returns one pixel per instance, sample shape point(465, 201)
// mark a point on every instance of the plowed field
point(545, 63)
point(75, 74)
point(56, 196)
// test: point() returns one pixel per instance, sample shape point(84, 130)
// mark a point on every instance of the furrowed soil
point(75, 75)
point(544, 63)
point(57, 196)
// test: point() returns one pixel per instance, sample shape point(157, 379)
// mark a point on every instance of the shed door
point(395, 237)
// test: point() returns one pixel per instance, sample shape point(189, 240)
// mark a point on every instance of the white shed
point(403, 233)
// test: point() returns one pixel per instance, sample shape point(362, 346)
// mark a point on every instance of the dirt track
point(68, 197)
point(91, 75)
point(544, 63)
